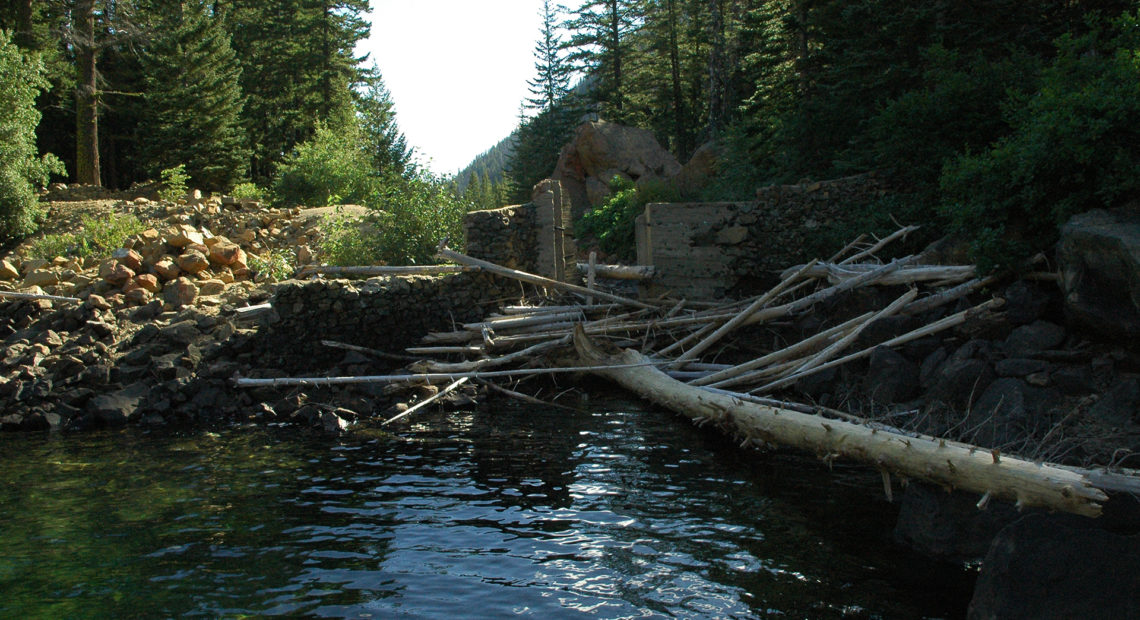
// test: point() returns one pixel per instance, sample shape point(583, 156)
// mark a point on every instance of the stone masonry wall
point(507, 236)
point(388, 314)
point(706, 250)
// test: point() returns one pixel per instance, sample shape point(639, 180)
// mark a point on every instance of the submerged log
point(944, 463)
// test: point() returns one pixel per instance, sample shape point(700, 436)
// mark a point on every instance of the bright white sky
point(457, 71)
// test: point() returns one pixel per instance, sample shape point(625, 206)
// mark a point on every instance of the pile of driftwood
point(657, 349)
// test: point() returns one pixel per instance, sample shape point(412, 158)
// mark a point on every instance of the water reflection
point(506, 510)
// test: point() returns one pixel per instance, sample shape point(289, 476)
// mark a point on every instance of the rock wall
point(535, 237)
point(506, 236)
point(704, 250)
point(387, 314)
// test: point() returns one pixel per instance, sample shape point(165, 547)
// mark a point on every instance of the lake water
point(503, 510)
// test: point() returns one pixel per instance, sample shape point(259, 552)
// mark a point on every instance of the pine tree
point(194, 98)
point(599, 46)
point(298, 68)
point(385, 144)
point(552, 82)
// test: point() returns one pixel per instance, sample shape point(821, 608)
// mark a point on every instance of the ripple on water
point(522, 512)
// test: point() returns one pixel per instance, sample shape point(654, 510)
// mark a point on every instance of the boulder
point(699, 170)
point(184, 235)
point(211, 287)
point(121, 406)
point(166, 268)
point(1041, 567)
point(949, 526)
point(148, 282)
point(1035, 337)
point(180, 292)
point(129, 258)
point(8, 271)
point(115, 273)
point(891, 378)
point(193, 261)
point(1099, 259)
point(225, 253)
point(40, 277)
point(599, 149)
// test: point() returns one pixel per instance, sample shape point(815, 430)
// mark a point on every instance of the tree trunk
point(25, 36)
point(86, 96)
point(945, 463)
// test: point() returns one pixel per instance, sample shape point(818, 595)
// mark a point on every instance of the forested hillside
point(998, 117)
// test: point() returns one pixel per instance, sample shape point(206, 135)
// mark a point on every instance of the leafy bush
point(612, 224)
point(21, 169)
point(349, 240)
point(174, 183)
point(409, 216)
point(275, 264)
point(96, 237)
point(247, 191)
point(330, 167)
point(1075, 146)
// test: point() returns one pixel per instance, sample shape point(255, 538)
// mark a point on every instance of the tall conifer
point(195, 99)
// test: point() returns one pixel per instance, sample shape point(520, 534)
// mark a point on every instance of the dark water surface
point(495, 512)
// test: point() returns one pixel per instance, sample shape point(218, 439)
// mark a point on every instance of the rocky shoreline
point(1032, 379)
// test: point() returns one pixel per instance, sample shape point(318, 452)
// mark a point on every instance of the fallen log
point(537, 280)
point(383, 270)
point(15, 295)
point(943, 463)
point(619, 272)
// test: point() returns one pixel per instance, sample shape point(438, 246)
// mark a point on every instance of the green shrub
point(1075, 146)
point(409, 217)
point(97, 237)
point(173, 183)
point(247, 191)
point(329, 168)
point(21, 169)
point(275, 264)
point(613, 223)
point(346, 240)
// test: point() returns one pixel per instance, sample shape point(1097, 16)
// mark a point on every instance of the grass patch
point(97, 237)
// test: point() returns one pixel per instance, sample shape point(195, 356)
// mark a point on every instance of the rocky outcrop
point(602, 150)
point(1099, 256)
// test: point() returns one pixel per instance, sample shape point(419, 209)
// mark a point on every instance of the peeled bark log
point(940, 462)
point(619, 272)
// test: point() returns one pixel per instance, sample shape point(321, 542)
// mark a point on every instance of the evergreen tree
point(194, 118)
point(298, 67)
point(599, 46)
point(552, 82)
point(383, 141)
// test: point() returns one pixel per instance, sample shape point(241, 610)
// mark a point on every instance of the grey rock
point(1019, 367)
point(1119, 406)
point(1074, 380)
point(949, 526)
point(1099, 259)
point(1040, 567)
point(891, 378)
point(119, 407)
point(1037, 336)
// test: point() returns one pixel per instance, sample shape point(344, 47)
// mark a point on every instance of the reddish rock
point(184, 235)
point(116, 273)
point(8, 271)
point(193, 261)
point(148, 281)
point(137, 297)
point(166, 268)
point(129, 258)
point(180, 292)
point(225, 253)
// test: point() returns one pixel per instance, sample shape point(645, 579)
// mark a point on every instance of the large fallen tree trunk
point(944, 463)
